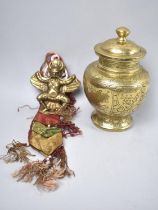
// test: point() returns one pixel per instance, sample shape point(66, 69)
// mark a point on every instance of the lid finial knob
point(122, 33)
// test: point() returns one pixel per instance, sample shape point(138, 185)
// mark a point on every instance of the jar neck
point(118, 66)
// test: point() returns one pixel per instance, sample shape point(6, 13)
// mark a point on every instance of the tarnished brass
point(56, 86)
point(116, 84)
point(53, 99)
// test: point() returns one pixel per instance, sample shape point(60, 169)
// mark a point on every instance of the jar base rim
point(111, 123)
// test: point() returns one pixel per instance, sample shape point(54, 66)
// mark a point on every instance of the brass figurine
point(54, 87)
point(49, 126)
point(116, 84)
point(56, 104)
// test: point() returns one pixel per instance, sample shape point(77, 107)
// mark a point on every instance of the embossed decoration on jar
point(116, 84)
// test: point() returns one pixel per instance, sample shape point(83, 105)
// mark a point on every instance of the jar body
point(115, 89)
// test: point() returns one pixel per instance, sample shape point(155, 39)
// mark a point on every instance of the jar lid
point(120, 47)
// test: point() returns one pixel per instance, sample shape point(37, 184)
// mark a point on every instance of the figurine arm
point(68, 81)
point(40, 78)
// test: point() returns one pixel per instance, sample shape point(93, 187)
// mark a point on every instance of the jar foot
point(111, 123)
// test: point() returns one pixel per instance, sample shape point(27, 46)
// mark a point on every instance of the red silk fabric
point(45, 119)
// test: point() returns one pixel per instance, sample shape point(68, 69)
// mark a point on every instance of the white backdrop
point(114, 171)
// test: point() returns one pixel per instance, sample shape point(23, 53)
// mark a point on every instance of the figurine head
point(55, 67)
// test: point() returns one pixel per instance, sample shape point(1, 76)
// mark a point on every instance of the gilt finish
point(53, 98)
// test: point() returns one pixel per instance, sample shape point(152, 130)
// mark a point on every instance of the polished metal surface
point(116, 84)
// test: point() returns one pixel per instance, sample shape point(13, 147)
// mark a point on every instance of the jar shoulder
point(104, 78)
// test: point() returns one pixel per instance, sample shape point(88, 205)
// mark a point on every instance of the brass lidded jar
point(116, 83)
